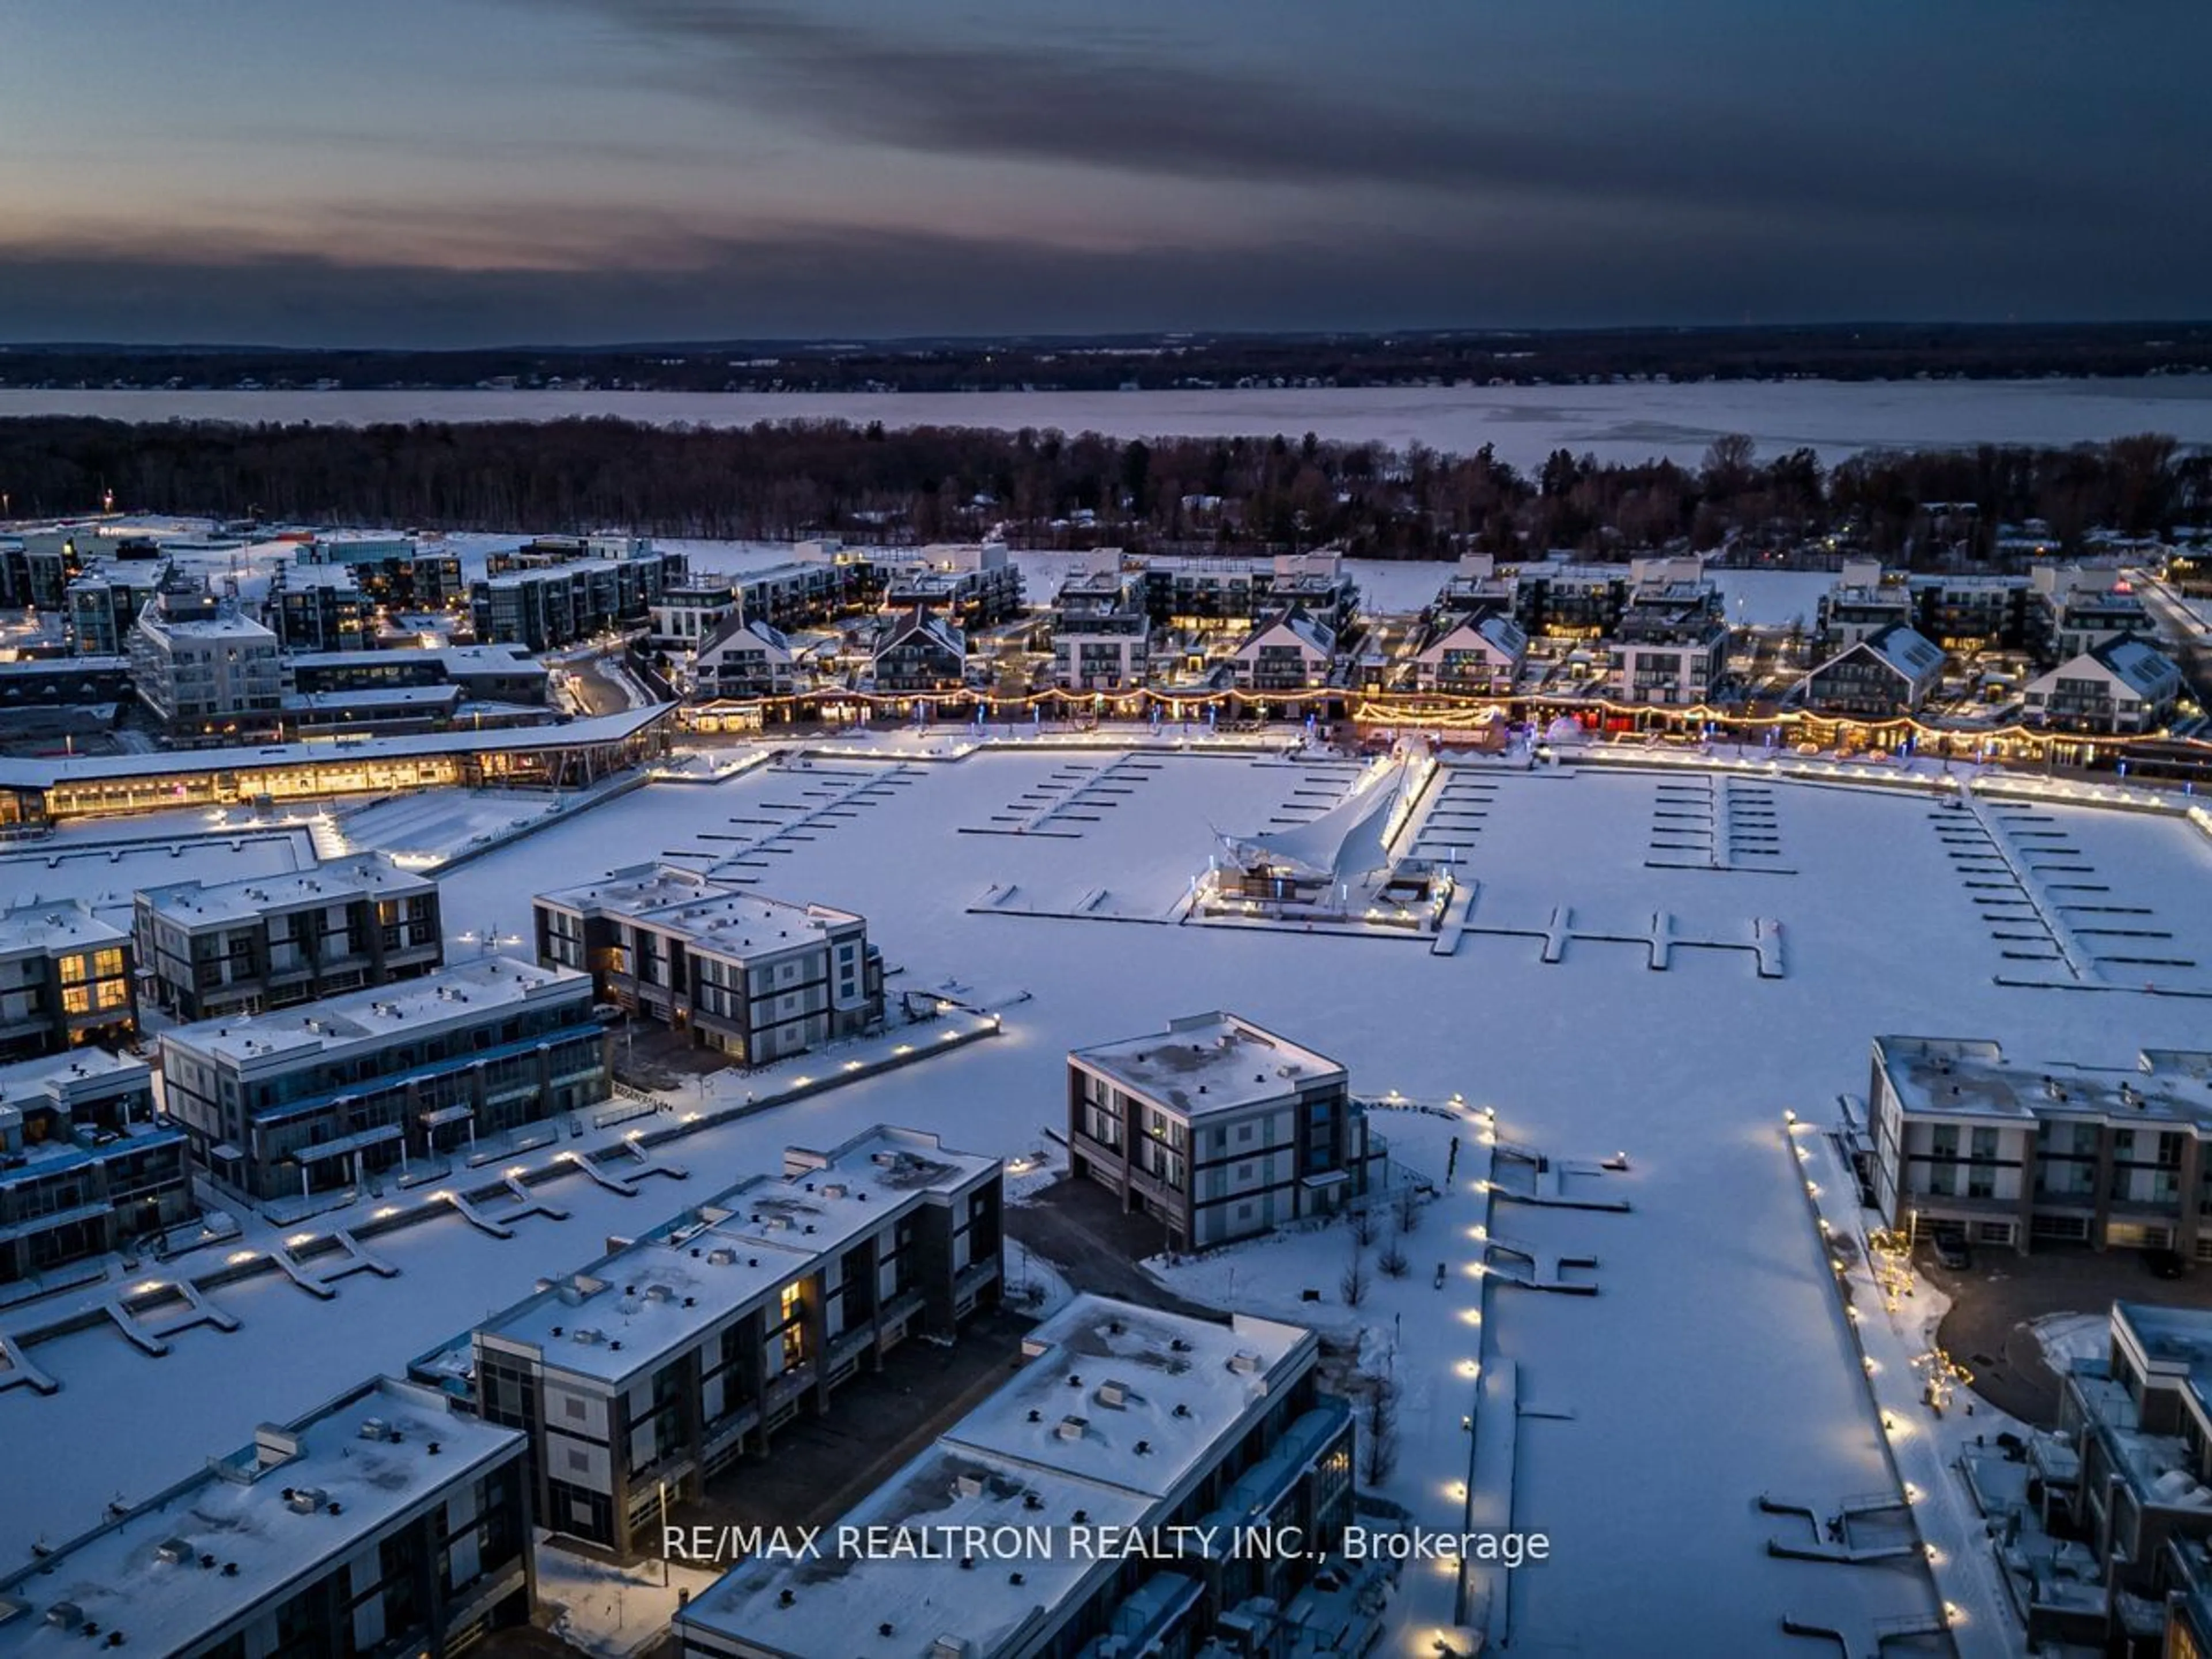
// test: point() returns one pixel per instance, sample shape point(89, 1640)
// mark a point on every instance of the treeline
point(866, 484)
point(1869, 351)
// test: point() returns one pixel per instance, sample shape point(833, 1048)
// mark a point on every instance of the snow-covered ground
point(1524, 423)
point(1710, 1367)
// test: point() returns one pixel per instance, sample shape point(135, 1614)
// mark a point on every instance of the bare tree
point(1408, 1209)
point(1393, 1262)
point(1363, 1225)
point(1379, 1452)
point(1353, 1285)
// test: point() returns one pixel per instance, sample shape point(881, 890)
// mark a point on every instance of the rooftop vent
point(1244, 1362)
point(659, 1293)
point(967, 1486)
point(835, 1189)
point(65, 1615)
point(305, 1500)
point(721, 1258)
point(589, 1339)
point(1113, 1394)
point(1072, 1428)
point(175, 1551)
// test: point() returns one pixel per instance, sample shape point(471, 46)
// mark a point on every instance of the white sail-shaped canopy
point(1344, 843)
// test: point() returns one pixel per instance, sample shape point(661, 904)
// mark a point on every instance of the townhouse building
point(87, 1165)
point(383, 1523)
point(1218, 1129)
point(269, 941)
point(67, 979)
point(657, 1367)
point(323, 1095)
point(752, 977)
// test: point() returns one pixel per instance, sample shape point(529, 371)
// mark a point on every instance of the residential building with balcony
point(1888, 672)
point(392, 572)
point(483, 673)
point(1470, 654)
point(104, 603)
point(688, 611)
point(2122, 687)
point(1669, 646)
point(1967, 615)
point(1474, 590)
point(1288, 652)
point(321, 1096)
point(1964, 1142)
point(1121, 1417)
point(37, 568)
point(269, 941)
point(1208, 595)
point(1100, 632)
point(661, 1364)
point(975, 587)
point(1218, 1129)
point(752, 977)
point(2078, 608)
point(203, 667)
point(319, 607)
point(385, 1523)
point(551, 592)
point(821, 586)
point(67, 979)
point(919, 652)
point(1864, 599)
point(86, 1165)
point(742, 659)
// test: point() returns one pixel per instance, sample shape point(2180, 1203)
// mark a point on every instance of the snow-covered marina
point(1636, 1428)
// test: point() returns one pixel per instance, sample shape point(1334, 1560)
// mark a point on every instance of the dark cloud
point(875, 284)
point(1132, 103)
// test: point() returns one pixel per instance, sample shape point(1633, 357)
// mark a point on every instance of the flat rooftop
point(177, 1570)
point(1054, 1451)
point(724, 918)
point(375, 1017)
point(453, 659)
point(52, 1077)
point(61, 924)
point(1966, 1078)
point(1209, 1063)
point(193, 904)
point(627, 1312)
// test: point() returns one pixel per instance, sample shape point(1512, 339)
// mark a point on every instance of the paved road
point(1078, 1227)
point(1987, 1328)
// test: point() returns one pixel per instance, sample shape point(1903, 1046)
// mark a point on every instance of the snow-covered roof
point(46, 771)
point(1496, 632)
point(60, 1078)
point(178, 1571)
point(623, 1314)
point(1970, 1078)
point(196, 904)
point(1207, 1063)
point(1913, 657)
point(223, 625)
point(1313, 636)
point(453, 660)
point(52, 926)
point(1117, 1411)
point(749, 633)
point(727, 920)
point(921, 621)
point(372, 1019)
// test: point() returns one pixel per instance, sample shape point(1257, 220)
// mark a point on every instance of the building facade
point(321, 1096)
point(752, 977)
point(1963, 1142)
point(1119, 1417)
point(1669, 645)
point(660, 1365)
point(269, 941)
point(67, 979)
point(741, 659)
point(1887, 672)
point(1100, 632)
point(1289, 652)
point(1470, 654)
point(385, 1523)
point(1218, 1129)
point(2124, 686)
point(86, 1165)
point(919, 652)
point(203, 667)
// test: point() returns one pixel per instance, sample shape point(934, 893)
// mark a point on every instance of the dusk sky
point(456, 171)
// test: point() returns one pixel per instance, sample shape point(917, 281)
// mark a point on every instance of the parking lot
point(1994, 1301)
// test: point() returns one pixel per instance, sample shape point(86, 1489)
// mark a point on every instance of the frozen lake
point(1525, 423)
point(1714, 1346)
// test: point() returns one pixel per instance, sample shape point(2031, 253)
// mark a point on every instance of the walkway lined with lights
point(1894, 1334)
